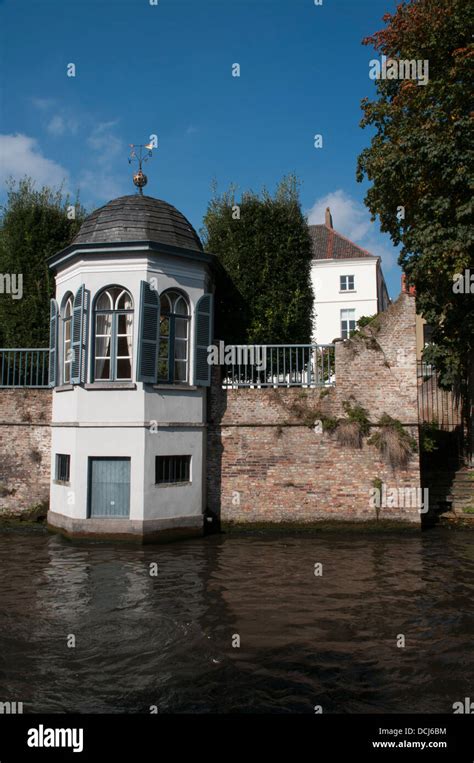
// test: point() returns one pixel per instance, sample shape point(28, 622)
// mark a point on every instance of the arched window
point(173, 362)
point(67, 335)
point(113, 335)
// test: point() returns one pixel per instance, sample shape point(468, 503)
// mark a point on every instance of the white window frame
point(347, 320)
point(344, 283)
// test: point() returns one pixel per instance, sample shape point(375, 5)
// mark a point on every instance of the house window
point(173, 361)
point(347, 283)
point(170, 470)
point(113, 335)
point(348, 323)
point(62, 467)
point(67, 329)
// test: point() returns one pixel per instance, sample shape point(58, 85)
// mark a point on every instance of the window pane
point(172, 469)
point(163, 369)
point(104, 302)
point(103, 324)
point(181, 306)
point(124, 368)
point(102, 369)
point(124, 301)
point(180, 371)
point(125, 324)
point(180, 349)
point(163, 352)
point(165, 306)
point(181, 328)
point(102, 347)
point(123, 348)
point(351, 282)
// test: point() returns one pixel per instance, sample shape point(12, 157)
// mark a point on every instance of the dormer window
point(113, 335)
point(173, 361)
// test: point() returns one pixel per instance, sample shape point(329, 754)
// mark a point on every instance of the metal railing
point(436, 405)
point(279, 365)
point(24, 367)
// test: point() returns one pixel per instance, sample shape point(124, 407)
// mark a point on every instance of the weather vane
point(140, 153)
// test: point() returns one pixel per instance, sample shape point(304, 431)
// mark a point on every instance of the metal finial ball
point(140, 179)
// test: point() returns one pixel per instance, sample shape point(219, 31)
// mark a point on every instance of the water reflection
point(304, 639)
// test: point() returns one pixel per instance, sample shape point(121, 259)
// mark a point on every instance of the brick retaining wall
point(266, 462)
point(25, 442)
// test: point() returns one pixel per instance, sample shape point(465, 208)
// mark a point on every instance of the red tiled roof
point(328, 244)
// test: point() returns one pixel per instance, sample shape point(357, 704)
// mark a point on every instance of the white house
point(347, 281)
point(130, 326)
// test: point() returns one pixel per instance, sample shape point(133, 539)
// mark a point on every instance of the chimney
point(405, 289)
point(328, 220)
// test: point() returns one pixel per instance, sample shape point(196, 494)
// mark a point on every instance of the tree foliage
point(420, 159)
point(263, 290)
point(34, 225)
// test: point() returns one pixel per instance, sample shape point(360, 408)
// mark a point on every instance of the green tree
point(263, 290)
point(420, 166)
point(420, 160)
point(34, 224)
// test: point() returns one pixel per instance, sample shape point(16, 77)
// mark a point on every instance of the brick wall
point(266, 461)
point(25, 441)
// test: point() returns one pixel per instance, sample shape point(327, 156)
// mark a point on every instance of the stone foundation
point(137, 531)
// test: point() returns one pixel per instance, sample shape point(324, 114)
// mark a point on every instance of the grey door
point(109, 487)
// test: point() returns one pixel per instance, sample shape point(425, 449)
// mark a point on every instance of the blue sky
point(167, 70)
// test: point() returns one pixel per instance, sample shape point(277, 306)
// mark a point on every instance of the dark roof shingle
point(328, 244)
point(138, 218)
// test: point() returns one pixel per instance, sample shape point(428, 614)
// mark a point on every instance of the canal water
point(169, 640)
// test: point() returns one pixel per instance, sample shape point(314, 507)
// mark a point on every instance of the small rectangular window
point(170, 470)
point(62, 467)
point(348, 323)
point(347, 283)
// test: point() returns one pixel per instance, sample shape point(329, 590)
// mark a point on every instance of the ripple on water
point(305, 640)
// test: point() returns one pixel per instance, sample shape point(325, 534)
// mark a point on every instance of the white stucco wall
point(330, 300)
point(119, 422)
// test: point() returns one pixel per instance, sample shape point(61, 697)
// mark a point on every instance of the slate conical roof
point(138, 218)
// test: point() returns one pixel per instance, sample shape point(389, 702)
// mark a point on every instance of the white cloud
point(58, 125)
point(105, 142)
point(99, 184)
point(20, 155)
point(350, 217)
point(43, 104)
point(99, 179)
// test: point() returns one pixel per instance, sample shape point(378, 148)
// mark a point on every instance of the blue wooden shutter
point(53, 343)
point(203, 334)
point(148, 334)
point(79, 335)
